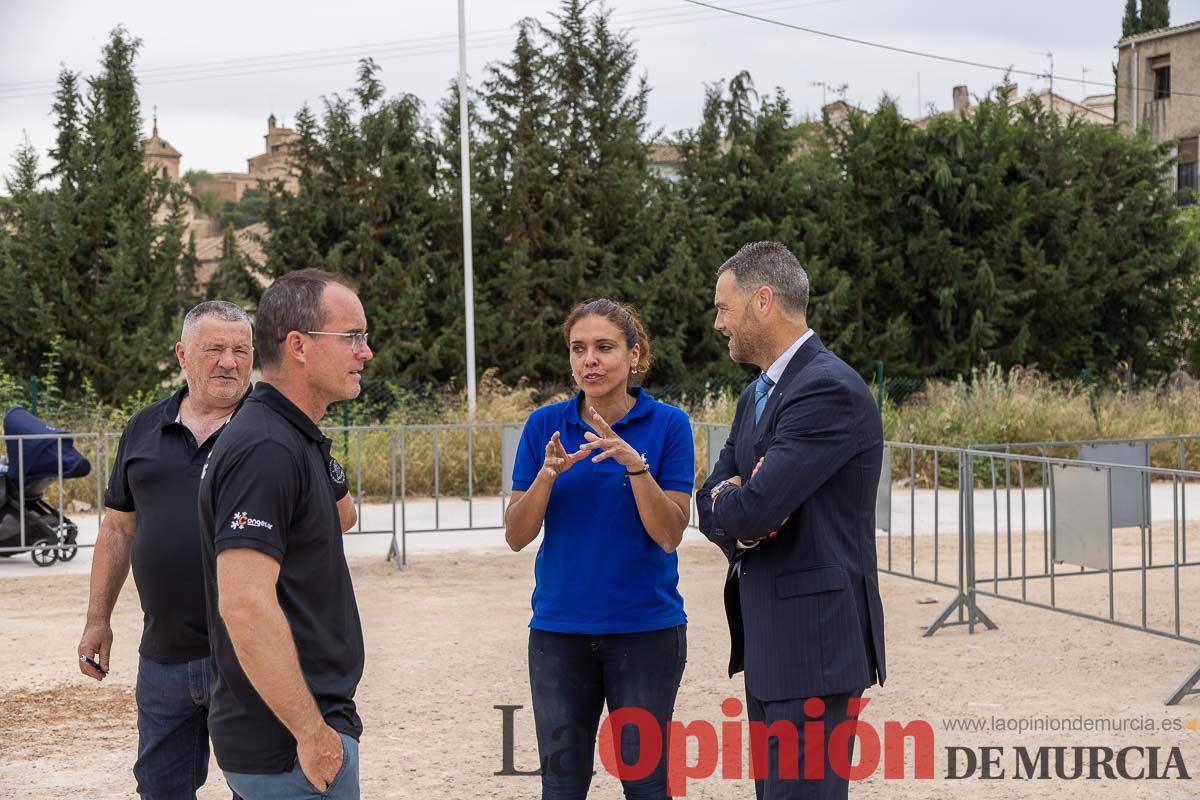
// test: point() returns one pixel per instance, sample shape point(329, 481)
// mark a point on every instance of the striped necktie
point(761, 390)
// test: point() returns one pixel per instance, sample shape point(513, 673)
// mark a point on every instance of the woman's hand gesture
point(611, 445)
point(558, 460)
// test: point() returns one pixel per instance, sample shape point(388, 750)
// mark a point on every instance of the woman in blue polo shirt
point(610, 474)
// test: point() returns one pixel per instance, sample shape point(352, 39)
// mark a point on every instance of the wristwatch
point(720, 487)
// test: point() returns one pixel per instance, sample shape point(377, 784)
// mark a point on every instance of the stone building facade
point(159, 155)
point(271, 164)
point(1158, 87)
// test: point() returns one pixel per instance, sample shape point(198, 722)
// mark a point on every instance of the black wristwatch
point(645, 468)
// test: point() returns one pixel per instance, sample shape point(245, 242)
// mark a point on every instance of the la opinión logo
point(721, 748)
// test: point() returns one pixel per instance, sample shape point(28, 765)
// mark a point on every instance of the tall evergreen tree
point(131, 224)
point(100, 247)
point(233, 279)
point(1155, 14)
point(1131, 22)
point(567, 182)
point(26, 310)
point(367, 209)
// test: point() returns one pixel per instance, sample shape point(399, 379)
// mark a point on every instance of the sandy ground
point(446, 643)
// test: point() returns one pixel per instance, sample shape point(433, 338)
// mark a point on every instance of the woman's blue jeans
point(573, 676)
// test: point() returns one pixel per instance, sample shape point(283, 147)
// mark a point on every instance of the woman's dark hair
point(623, 316)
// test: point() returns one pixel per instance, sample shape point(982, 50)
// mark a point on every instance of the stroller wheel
point(44, 553)
point(67, 549)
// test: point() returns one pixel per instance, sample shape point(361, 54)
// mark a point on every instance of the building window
point(1161, 69)
point(1187, 174)
point(1188, 177)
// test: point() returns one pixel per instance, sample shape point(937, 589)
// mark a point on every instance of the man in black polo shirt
point(151, 522)
point(283, 621)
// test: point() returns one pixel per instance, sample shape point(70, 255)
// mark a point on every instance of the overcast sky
point(216, 114)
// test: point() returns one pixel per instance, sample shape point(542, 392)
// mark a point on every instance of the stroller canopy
point(40, 455)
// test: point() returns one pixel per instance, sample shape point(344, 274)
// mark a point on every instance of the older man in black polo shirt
point(283, 620)
point(151, 522)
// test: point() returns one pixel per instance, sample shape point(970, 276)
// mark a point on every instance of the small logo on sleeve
point(336, 473)
point(241, 520)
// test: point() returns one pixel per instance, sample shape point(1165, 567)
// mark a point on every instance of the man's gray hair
point(771, 264)
point(220, 309)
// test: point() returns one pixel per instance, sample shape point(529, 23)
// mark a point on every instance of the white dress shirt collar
point(775, 371)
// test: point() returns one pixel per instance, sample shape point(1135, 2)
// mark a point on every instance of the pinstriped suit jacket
point(805, 616)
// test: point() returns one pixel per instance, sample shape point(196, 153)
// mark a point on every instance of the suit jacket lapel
point(799, 361)
point(744, 446)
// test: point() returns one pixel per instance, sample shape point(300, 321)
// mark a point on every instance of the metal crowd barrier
point(355, 458)
point(1089, 536)
point(24, 506)
point(947, 498)
point(1086, 536)
point(1094, 556)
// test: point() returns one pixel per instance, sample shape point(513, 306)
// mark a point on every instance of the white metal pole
point(465, 146)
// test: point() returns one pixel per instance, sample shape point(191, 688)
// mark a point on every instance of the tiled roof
point(154, 146)
point(1161, 32)
point(249, 241)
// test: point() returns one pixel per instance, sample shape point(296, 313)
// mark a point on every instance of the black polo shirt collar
point(169, 411)
point(274, 399)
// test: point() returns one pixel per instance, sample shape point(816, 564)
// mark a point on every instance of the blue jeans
point(294, 786)
point(172, 720)
point(572, 677)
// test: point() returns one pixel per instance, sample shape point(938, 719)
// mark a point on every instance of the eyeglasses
point(358, 340)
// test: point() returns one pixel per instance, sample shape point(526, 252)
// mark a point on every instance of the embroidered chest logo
point(336, 473)
point(241, 520)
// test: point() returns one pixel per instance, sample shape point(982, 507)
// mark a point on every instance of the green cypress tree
point(100, 248)
point(233, 279)
point(1131, 22)
point(566, 180)
point(125, 270)
point(367, 209)
point(27, 316)
point(188, 282)
point(517, 161)
point(1155, 14)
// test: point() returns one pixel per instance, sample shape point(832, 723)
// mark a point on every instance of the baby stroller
point(37, 460)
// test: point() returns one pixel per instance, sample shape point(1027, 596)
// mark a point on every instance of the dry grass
point(992, 408)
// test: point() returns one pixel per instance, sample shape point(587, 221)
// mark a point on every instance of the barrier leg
point(974, 616)
point(1185, 688)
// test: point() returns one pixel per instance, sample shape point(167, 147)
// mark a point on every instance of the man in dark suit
point(791, 503)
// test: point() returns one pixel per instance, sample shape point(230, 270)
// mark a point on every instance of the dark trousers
point(573, 676)
point(172, 721)
point(785, 785)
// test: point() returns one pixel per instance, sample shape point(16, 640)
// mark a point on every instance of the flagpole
point(468, 267)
